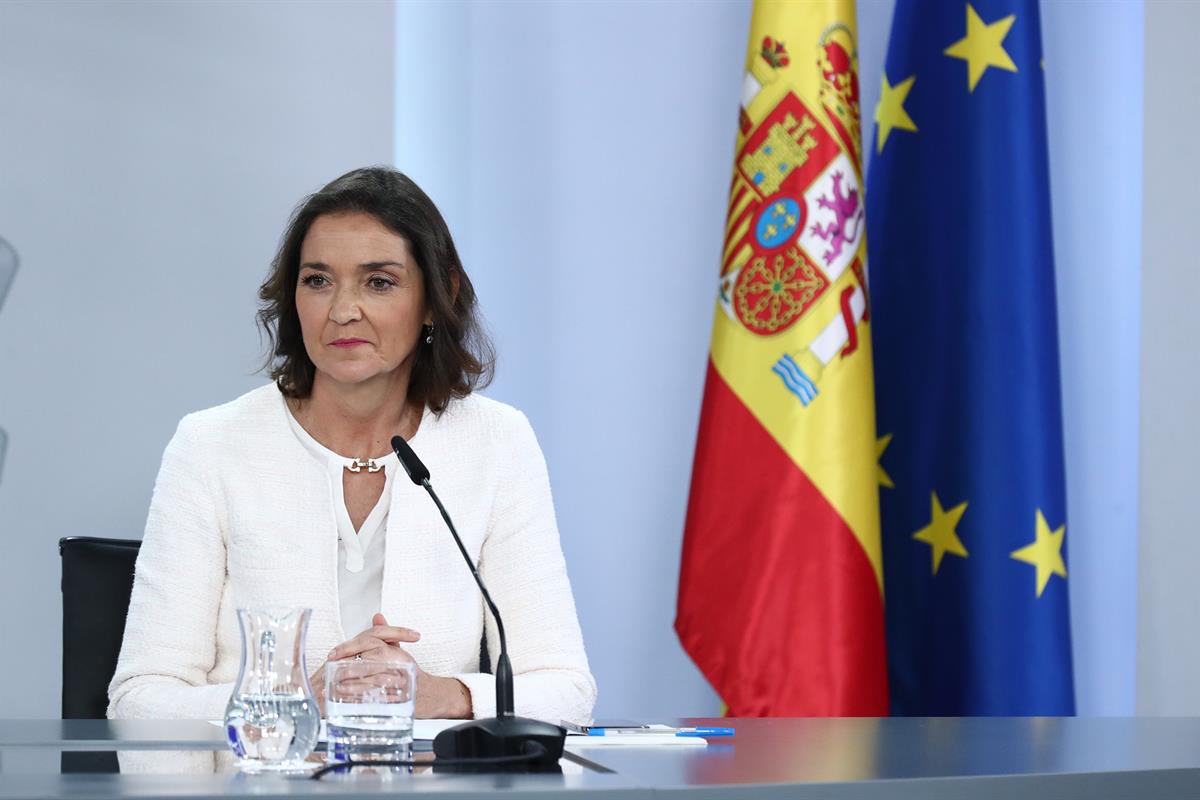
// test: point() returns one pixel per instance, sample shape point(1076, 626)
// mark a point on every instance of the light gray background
point(150, 154)
point(1168, 634)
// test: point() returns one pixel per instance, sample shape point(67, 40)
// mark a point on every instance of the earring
point(429, 335)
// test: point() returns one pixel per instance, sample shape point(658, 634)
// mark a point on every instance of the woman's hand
point(437, 697)
point(380, 642)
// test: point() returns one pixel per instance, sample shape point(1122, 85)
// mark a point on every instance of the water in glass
point(369, 706)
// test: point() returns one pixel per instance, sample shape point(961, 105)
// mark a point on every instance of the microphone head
point(417, 472)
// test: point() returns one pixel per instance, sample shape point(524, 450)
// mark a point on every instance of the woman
point(288, 496)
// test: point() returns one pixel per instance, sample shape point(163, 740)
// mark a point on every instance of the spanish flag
point(781, 593)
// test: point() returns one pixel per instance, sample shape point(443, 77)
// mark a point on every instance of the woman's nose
point(345, 308)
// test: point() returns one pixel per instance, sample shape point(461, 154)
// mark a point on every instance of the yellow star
point(890, 113)
point(939, 533)
point(983, 46)
point(881, 444)
point(1045, 553)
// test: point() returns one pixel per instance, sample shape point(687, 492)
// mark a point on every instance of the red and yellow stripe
point(781, 587)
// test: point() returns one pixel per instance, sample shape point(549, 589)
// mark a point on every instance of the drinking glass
point(272, 719)
point(369, 709)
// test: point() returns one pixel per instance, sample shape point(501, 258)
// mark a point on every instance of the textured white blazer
point(242, 515)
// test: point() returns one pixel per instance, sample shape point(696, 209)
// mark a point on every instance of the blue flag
point(966, 362)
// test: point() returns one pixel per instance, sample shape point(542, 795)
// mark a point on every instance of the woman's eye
point(380, 284)
point(315, 280)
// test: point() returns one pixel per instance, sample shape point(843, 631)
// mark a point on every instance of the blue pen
point(701, 732)
point(704, 732)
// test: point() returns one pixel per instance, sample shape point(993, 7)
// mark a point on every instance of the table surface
point(829, 758)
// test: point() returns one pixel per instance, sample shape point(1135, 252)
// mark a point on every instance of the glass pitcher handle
point(266, 662)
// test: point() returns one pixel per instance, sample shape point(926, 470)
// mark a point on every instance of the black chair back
point(97, 578)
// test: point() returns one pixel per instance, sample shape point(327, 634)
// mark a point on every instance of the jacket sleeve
point(171, 630)
point(522, 564)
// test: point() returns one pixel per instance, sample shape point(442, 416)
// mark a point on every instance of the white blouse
point(360, 553)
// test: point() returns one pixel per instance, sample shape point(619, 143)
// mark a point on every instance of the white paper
point(653, 736)
point(634, 740)
point(429, 728)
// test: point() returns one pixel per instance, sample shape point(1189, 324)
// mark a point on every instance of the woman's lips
point(348, 342)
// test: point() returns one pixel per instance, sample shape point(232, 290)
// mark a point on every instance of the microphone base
point(497, 737)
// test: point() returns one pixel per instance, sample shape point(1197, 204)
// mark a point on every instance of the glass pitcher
point(272, 719)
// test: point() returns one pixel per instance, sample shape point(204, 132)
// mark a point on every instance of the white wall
point(1168, 636)
point(582, 154)
point(150, 154)
point(1093, 108)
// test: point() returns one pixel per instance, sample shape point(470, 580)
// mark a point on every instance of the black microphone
point(505, 734)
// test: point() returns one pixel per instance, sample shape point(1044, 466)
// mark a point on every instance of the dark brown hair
point(460, 358)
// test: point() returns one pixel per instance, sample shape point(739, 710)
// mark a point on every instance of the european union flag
point(966, 365)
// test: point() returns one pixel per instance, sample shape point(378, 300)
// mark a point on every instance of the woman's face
point(360, 297)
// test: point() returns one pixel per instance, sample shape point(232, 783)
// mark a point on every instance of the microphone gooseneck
point(505, 741)
point(419, 474)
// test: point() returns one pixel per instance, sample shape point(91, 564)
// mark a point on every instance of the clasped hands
point(437, 697)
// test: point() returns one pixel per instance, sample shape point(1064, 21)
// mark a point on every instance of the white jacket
point(242, 516)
